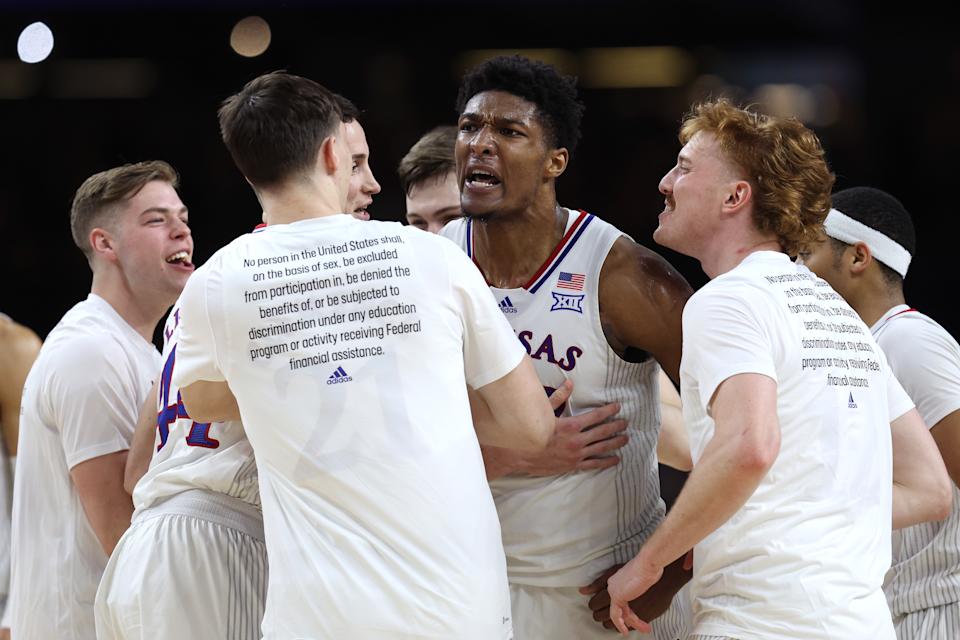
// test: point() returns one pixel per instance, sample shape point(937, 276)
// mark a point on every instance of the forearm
point(500, 462)
point(718, 487)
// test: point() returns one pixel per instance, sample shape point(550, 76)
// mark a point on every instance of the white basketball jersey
point(562, 531)
point(191, 455)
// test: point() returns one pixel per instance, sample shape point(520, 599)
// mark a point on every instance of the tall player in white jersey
point(868, 245)
point(790, 405)
point(198, 518)
point(83, 394)
point(349, 346)
point(589, 305)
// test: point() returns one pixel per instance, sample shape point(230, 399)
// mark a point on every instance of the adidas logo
point(851, 404)
point(338, 376)
point(506, 306)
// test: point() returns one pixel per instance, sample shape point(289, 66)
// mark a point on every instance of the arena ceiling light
point(250, 37)
point(35, 43)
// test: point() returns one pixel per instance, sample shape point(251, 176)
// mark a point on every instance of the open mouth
point(180, 258)
point(482, 179)
point(361, 213)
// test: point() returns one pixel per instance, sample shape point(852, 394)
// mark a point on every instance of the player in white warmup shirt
point(199, 504)
point(83, 395)
point(868, 245)
point(347, 347)
point(789, 402)
point(18, 349)
point(589, 305)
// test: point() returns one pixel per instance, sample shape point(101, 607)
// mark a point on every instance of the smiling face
point(694, 192)
point(502, 154)
point(433, 203)
point(151, 242)
point(363, 186)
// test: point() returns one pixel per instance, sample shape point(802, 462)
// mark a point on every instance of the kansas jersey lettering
point(562, 531)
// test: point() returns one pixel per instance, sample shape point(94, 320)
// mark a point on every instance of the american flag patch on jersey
point(572, 281)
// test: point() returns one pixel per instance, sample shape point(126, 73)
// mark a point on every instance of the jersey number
point(199, 435)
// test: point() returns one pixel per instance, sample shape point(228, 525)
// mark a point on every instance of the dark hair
point(881, 212)
point(275, 125)
point(783, 161)
point(93, 204)
point(430, 158)
point(348, 110)
point(554, 95)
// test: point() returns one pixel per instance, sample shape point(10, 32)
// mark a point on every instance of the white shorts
point(562, 613)
point(191, 568)
point(934, 623)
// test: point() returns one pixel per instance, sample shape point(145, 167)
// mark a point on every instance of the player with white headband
point(868, 244)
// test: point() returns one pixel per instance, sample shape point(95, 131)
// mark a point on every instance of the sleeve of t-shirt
point(924, 360)
point(94, 398)
point(723, 336)
point(196, 357)
point(490, 348)
point(898, 402)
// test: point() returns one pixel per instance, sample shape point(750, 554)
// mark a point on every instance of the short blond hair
point(783, 161)
point(95, 200)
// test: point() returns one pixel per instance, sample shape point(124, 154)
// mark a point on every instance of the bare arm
point(108, 507)
point(641, 303)
point(745, 445)
point(946, 434)
point(207, 401)
point(512, 412)
point(18, 349)
point(921, 485)
point(673, 447)
point(141, 446)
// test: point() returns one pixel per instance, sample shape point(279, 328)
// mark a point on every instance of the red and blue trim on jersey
point(556, 257)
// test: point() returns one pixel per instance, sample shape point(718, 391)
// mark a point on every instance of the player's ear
point(103, 243)
point(557, 161)
point(328, 154)
point(738, 195)
point(859, 257)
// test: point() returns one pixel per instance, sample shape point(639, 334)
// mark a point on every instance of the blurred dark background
point(130, 81)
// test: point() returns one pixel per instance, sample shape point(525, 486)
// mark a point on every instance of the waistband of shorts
point(210, 506)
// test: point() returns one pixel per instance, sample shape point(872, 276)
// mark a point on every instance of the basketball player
point(789, 402)
point(197, 529)
point(868, 244)
point(429, 179)
point(81, 398)
point(18, 349)
point(363, 186)
point(589, 305)
point(349, 347)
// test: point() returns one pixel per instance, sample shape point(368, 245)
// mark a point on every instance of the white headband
point(842, 227)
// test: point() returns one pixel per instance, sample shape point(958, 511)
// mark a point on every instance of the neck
point(730, 248)
point(511, 248)
point(875, 299)
point(142, 312)
point(299, 199)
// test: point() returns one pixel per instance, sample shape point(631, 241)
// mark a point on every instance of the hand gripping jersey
point(562, 531)
point(190, 455)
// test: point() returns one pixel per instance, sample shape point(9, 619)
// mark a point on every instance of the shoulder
point(16, 340)
point(631, 264)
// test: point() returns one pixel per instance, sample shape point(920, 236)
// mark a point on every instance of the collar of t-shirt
point(300, 226)
point(885, 318)
point(104, 307)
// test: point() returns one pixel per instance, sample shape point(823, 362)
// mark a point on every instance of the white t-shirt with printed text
point(348, 346)
point(805, 556)
point(81, 400)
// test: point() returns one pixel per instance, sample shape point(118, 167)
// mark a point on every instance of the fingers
point(633, 621)
point(594, 416)
point(616, 615)
point(604, 431)
point(605, 446)
point(601, 582)
point(561, 394)
point(600, 605)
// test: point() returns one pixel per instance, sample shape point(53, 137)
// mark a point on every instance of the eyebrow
point(161, 210)
point(498, 120)
point(682, 158)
